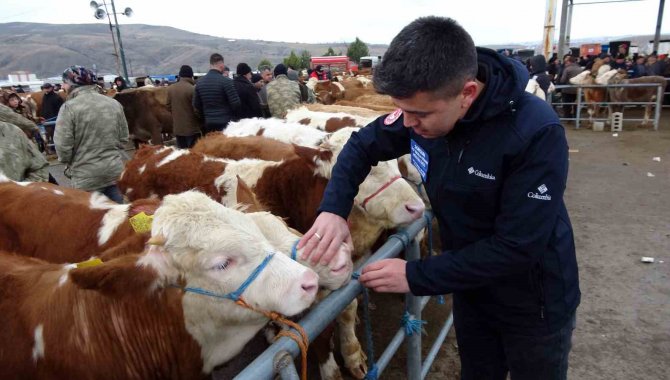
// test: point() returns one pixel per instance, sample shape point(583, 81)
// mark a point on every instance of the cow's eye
point(222, 266)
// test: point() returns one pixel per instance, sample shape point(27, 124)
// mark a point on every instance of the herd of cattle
point(86, 294)
point(603, 74)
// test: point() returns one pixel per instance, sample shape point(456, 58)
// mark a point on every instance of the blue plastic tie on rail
point(412, 325)
point(373, 370)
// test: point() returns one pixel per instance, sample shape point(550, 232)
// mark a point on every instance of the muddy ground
point(619, 214)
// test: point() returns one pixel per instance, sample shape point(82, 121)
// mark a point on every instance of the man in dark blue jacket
point(215, 97)
point(494, 161)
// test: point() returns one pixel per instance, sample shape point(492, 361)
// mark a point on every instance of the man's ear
point(469, 93)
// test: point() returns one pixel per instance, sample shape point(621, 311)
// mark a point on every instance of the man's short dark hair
point(433, 54)
point(215, 58)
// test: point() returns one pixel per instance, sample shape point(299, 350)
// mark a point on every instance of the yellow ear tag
point(141, 222)
point(89, 263)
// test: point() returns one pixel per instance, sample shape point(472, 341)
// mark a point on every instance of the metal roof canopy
point(566, 19)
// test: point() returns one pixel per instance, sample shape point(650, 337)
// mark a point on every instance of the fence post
point(414, 307)
point(578, 111)
point(659, 105)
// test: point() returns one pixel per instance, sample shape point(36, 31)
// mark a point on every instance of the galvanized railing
point(278, 358)
point(581, 102)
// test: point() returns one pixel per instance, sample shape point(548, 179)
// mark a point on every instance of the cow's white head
point(383, 195)
point(582, 78)
point(284, 238)
point(604, 78)
point(215, 248)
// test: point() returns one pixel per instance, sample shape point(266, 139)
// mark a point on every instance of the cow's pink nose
point(415, 210)
point(310, 283)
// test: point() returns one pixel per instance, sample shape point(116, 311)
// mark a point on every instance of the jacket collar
point(189, 80)
point(82, 90)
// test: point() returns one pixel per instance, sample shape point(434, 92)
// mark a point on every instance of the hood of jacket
point(538, 64)
point(505, 80)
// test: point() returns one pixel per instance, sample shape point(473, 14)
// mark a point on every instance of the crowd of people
point(559, 72)
point(91, 130)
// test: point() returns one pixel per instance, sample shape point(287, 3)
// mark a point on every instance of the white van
point(369, 63)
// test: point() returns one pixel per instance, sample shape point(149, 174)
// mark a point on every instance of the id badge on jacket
point(420, 160)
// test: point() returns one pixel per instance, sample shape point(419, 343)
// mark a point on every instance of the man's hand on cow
point(323, 240)
point(386, 276)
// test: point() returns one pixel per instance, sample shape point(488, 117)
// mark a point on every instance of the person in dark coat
point(186, 126)
point(251, 104)
point(120, 84)
point(538, 70)
point(494, 161)
point(215, 96)
point(51, 102)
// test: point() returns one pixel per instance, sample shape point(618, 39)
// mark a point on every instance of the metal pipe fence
point(322, 314)
point(580, 102)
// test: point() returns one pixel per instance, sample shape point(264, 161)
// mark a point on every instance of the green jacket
point(9, 116)
point(91, 131)
point(19, 158)
point(283, 95)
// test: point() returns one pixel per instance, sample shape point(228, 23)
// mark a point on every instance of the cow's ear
point(313, 155)
point(247, 197)
point(118, 277)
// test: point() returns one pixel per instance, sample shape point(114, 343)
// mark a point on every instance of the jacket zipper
point(460, 154)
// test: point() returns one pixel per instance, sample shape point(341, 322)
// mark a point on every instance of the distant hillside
point(47, 49)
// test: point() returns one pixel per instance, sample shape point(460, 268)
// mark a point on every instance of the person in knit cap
point(283, 93)
point(186, 125)
point(91, 132)
point(251, 105)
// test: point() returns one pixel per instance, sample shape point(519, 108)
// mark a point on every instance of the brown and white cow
point(138, 316)
point(222, 146)
point(327, 121)
point(59, 224)
point(592, 95)
point(292, 189)
point(278, 129)
point(632, 94)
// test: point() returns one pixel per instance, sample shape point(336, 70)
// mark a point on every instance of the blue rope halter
point(235, 296)
point(294, 250)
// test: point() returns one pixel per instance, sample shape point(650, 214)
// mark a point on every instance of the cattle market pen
point(277, 358)
point(580, 102)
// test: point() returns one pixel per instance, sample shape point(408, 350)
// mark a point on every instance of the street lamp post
point(99, 14)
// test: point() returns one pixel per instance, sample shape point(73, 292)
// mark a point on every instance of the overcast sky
point(488, 21)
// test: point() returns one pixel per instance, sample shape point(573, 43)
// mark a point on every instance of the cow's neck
point(221, 333)
point(147, 332)
point(292, 190)
point(364, 232)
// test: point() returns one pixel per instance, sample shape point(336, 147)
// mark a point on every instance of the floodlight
point(128, 12)
point(100, 13)
point(94, 5)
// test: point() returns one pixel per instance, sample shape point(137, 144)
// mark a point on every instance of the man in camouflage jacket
point(91, 131)
point(19, 158)
point(9, 116)
point(283, 93)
